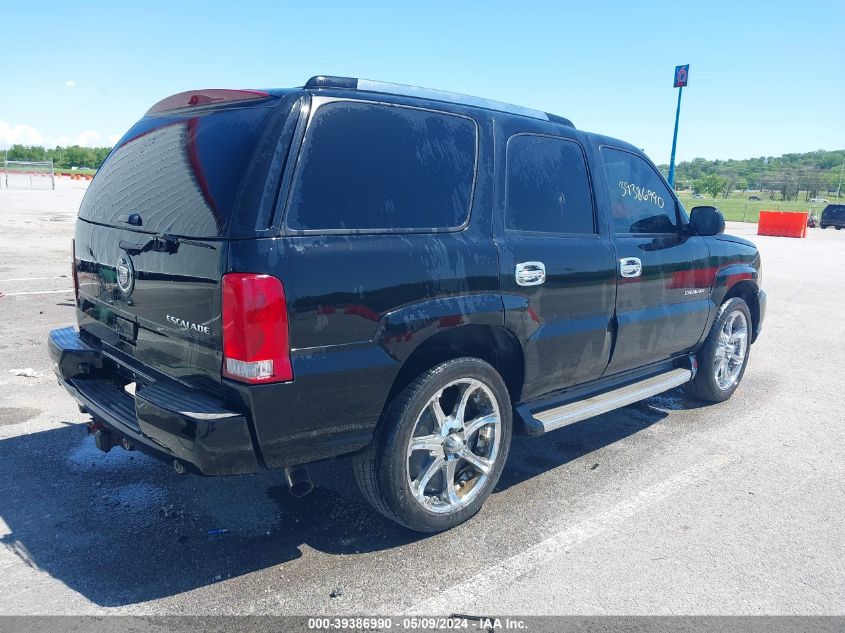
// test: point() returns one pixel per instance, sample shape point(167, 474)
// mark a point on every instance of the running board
point(551, 419)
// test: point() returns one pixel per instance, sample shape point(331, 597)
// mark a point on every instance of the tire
point(389, 472)
point(824, 226)
point(838, 227)
point(707, 384)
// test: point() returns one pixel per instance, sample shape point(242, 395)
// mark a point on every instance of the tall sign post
point(681, 79)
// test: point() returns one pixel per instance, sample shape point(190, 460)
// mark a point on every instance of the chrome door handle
point(630, 267)
point(530, 273)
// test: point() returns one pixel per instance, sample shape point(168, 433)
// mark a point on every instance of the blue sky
point(766, 78)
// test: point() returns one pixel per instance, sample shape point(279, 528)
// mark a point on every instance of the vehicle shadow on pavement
point(123, 528)
point(529, 457)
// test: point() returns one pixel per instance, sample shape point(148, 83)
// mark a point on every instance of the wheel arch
point(493, 344)
point(743, 281)
point(748, 292)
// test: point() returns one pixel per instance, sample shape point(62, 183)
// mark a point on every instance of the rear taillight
point(73, 271)
point(255, 329)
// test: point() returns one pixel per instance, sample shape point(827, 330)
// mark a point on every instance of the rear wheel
point(724, 355)
point(824, 226)
point(440, 448)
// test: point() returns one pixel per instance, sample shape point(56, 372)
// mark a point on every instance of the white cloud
point(70, 83)
point(88, 138)
point(28, 135)
point(23, 134)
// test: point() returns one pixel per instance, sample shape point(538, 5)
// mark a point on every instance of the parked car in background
point(754, 198)
point(833, 215)
point(266, 279)
point(698, 196)
point(818, 201)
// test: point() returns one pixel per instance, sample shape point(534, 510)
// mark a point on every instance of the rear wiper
point(161, 243)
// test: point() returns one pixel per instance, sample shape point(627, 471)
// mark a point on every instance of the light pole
point(681, 79)
point(675, 141)
point(839, 188)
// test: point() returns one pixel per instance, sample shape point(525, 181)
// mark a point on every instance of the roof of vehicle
point(211, 98)
point(368, 85)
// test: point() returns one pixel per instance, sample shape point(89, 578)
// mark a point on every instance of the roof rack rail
point(368, 85)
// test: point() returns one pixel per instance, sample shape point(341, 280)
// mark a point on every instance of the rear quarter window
point(373, 167)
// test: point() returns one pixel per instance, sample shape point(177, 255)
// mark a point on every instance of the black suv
point(270, 278)
point(833, 215)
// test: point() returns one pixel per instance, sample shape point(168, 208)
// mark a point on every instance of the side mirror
point(706, 221)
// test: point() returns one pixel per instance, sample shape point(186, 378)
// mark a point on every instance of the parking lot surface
point(664, 507)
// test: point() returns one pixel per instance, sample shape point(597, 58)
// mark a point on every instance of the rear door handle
point(630, 267)
point(530, 273)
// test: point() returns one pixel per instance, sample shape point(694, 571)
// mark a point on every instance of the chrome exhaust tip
point(298, 481)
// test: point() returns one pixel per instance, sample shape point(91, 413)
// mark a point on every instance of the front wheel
point(724, 355)
point(440, 448)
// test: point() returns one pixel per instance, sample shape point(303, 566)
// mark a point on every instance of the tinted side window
point(640, 202)
point(366, 166)
point(548, 189)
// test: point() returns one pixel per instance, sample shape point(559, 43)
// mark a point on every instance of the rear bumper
point(164, 417)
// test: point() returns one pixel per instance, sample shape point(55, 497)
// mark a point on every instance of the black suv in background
point(270, 278)
point(833, 215)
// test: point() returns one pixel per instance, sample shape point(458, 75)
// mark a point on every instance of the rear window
point(181, 173)
point(375, 167)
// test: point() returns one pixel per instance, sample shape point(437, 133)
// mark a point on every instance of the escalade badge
point(183, 324)
point(125, 275)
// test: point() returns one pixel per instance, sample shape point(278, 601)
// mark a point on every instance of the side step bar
point(551, 419)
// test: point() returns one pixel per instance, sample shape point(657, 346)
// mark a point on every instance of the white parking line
point(35, 292)
point(34, 278)
point(509, 570)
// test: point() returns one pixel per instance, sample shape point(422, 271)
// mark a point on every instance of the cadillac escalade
point(268, 278)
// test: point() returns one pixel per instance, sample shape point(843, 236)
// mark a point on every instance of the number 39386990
point(641, 193)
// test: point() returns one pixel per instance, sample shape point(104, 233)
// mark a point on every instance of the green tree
point(26, 152)
point(62, 157)
point(712, 184)
point(76, 156)
point(784, 176)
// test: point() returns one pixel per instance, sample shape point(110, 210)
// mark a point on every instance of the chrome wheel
point(450, 455)
point(731, 350)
